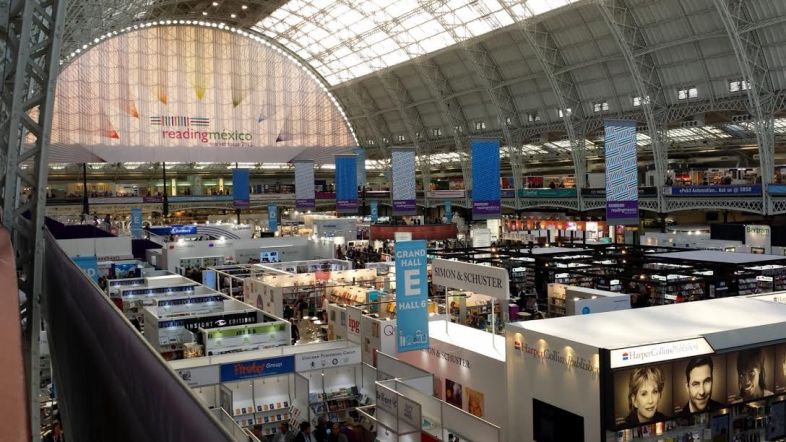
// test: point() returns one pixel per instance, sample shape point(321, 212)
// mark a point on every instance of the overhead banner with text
point(304, 185)
point(240, 191)
point(374, 211)
point(485, 179)
point(272, 217)
point(403, 165)
point(449, 211)
point(136, 222)
point(622, 191)
point(346, 184)
point(360, 165)
point(411, 296)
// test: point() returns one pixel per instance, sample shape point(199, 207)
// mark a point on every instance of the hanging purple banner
point(304, 185)
point(622, 190)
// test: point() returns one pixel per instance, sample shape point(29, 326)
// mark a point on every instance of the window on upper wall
point(687, 93)
point(458, 129)
point(371, 142)
point(533, 116)
point(401, 138)
point(480, 125)
point(600, 106)
point(508, 121)
point(384, 139)
point(436, 132)
point(638, 101)
point(739, 85)
point(567, 111)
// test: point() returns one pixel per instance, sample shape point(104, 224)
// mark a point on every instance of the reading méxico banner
point(304, 185)
point(622, 191)
point(403, 165)
point(485, 179)
point(240, 197)
point(411, 296)
point(346, 184)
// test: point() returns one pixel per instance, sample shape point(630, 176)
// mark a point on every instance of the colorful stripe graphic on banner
point(136, 222)
point(240, 184)
point(272, 217)
point(411, 296)
point(360, 161)
point(346, 184)
point(374, 211)
point(449, 211)
point(622, 190)
point(304, 185)
point(403, 165)
point(485, 179)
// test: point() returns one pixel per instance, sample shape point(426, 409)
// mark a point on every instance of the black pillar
point(165, 209)
point(85, 201)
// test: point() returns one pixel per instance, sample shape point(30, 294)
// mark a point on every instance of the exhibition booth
point(180, 256)
point(709, 370)
point(192, 325)
point(112, 248)
point(566, 300)
point(260, 389)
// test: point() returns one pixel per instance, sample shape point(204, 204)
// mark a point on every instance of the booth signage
point(387, 399)
point(548, 193)
point(484, 280)
point(646, 354)
point(199, 376)
point(327, 359)
point(353, 324)
point(374, 211)
point(622, 188)
point(136, 222)
point(485, 179)
point(88, 264)
point(449, 211)
point(409, 411)
point(758, 238)
point(411, 296)
point(402, 236)
point(456, 193)
point(257, 369)
point(272, 218)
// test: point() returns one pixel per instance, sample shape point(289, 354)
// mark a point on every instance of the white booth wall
point(290, 248)
point(104, 249)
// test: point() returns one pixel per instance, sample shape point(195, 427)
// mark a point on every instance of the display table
point(425, 231)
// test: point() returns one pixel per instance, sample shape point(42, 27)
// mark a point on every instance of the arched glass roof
point(347, 39)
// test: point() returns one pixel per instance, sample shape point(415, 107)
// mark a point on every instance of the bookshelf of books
point(260, 403)
point(334, 393)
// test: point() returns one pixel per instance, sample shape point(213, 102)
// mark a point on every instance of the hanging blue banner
point(88, 264)
point(136, 223)
point(485, 179)
point(257, 369)
point(209, 279)
point(374, 211)
point(449, 211)
point(346, 184)
point(272, 217)
point(411, 295)
point(622, 180)
point(240, 187)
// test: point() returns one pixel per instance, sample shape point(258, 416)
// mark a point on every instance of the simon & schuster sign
point(485, 280)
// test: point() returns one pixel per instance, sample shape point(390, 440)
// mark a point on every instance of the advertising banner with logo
point(449, 211)
point(411, 295)
point(136, 222)
point(485, 280)
point(754, 189)
point(374, 211)
point(240, 188)
point(257, 369)
point(199, 376)
point(346, 184)
point(622, 181)
point(360, 165)
point(305, 198)
point(485, 179)
point(403, 165)
point(353, 324)
point(88, 264)
point(272, 217)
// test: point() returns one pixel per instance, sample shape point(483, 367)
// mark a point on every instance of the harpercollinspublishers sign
point(646, 354)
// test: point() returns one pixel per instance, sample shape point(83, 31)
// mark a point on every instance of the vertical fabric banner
point(240, 183)
point(88, 264)
point(449, 211)
point(209, 279)
point(272, 217)
point(360, 161)
point(403, 165)
point(485, 179)
point(374, 211)
point(622, 190)
point(346, 184)
point(136, 222)
point(304, 185)
point(411, 296)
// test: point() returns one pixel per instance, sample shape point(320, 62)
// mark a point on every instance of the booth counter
point(577, 378)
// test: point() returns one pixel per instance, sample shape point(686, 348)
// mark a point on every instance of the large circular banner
point(192, 93)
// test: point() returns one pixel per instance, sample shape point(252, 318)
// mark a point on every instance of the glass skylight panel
point(404, 28)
